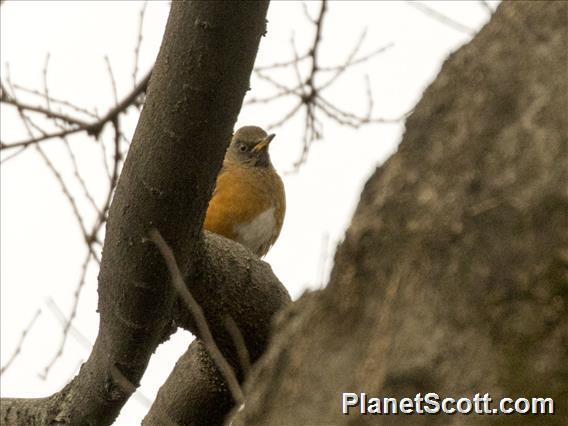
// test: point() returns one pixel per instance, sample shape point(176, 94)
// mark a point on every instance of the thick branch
point(227, 281)
point(194, 97)
point(196, 312)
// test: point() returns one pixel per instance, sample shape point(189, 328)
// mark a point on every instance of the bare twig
point(113, 179)
point(112, 80)
point(93, 128)
point(440, 17)
point(348, 119)
point(239, 342)
point(351, 61)
point(360, 60)
point(12, 155)
point(44, 137)
point(283, 90)
point(68, 324)
point(283, 64)
point(45, 87)
point(69, 150)
point(73, 331)
point(285, 118)
point(87, 237)
point(486, 6)
point(138, 43)
point(128, 100)
point(317, 38)
point(105, 161)
point(296, 67)
point(69, 124)
point(309, 90)
point(306, 13)
point(87, 344)
point(18, 349)
point(27, 124)
point(78, 176)
point(56, 101)
point(201, 323)
point(6, 99)
point(91, 238)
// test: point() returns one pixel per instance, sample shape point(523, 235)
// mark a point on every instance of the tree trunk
point(452, 277)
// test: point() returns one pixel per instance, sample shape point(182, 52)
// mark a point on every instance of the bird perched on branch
point(248, 203)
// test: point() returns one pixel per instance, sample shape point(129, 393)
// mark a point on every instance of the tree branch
point(198, 83)
point(197, 315)
point(227, 281)
point(93, 128)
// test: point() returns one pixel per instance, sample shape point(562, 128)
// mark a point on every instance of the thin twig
point(93, 129)
point(35, 140)
point(112, 80)
point(57, 101)
point(283, 91)
point(104, 156)
point(138, 44)
point(73, 331)
point(27, 124)
point(78, 175)
point(76, 172)
point(239, 342)
point(86, 343)
point(351, 61)
point(204, 331)
point(284, 64)
point(6, 99)
point(359, 60)
point(45, 87)
point(285, 118)
point(306, 13)
point(12, 155)
point(69, 322)
point(440, 17)
point(66, 192)
point(113, 179)
point(309, 90)
point(302, 92)
point(486, 6)
point(353, 120)
point(317, 37)
point(18, 349)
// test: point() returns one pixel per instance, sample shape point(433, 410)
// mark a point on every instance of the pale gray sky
point(41, 248)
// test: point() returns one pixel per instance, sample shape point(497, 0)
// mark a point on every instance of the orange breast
point(241, 195)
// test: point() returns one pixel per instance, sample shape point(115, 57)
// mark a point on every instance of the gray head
point(249, 147)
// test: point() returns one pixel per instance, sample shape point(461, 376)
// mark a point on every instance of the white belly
point(258, 232)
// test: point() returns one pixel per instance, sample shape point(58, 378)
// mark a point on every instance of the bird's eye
point(242, 147)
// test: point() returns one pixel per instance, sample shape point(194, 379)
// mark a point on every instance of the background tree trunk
point(452, 275)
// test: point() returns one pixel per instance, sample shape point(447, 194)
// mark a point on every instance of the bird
point(249, 202)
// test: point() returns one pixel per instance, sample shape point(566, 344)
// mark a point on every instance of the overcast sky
point(41, 248)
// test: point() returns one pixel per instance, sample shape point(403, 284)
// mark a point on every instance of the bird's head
point(249, 147)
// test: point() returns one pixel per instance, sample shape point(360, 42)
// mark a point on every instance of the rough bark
point(228, 281)
point(194, 96)
point(452, 277)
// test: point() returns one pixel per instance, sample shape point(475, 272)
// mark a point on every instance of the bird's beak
point(263, 143)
